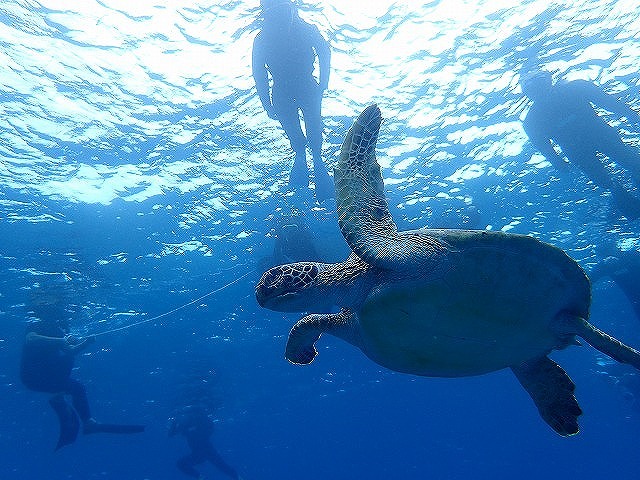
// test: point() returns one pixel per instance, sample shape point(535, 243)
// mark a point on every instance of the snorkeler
point(195, 425)
point(624, 270)
point(286, 49)
point(562, 113)
point(46, 364)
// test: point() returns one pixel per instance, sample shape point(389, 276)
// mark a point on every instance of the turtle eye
point(277, 278)
point(270, 278)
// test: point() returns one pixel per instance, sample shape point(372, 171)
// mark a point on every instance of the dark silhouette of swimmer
point(563, 114)
point(624, 270)
point(286, 49)
point(196, 427)
point(46, 364)
point(294, 241)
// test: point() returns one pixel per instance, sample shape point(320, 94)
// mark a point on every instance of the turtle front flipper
point(305, 333)
point(363, 213)
point(552, 391)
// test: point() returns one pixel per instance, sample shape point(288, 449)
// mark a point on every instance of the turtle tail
point(604, 342)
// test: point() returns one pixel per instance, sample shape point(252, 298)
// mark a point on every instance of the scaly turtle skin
point(440, 303)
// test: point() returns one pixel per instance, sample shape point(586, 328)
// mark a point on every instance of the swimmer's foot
point(299, 176)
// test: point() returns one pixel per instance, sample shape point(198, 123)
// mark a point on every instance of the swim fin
point(95, 427)
point(68, 418)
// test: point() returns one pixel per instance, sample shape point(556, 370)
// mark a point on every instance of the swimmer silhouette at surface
point(623, 268)
point(46, 364)
point(194, 424)
point(286, 49)
point(563, 114)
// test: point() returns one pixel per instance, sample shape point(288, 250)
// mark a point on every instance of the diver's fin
point(95, 427)
point(68, 418)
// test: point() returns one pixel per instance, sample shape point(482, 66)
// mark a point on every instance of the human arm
point(69, 343)
point(602, 99)
point(542, 142)
point(77, 344)
point(321, 47)
point(34, 338)
point(260, 76)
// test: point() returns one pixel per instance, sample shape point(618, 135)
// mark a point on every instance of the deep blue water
point(138, 173)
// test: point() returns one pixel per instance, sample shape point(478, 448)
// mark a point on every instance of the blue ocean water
point(140, 176)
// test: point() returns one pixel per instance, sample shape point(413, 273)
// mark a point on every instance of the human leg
point(287, 112)
point(626, 156)
point(214, 457)
point(68, 420)
point(187, 466)
point(81, 405)
point(591, 165)
point(79, 399)
point(312, 114)
point(311, 106)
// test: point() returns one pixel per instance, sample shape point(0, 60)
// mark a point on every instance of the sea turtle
point(440, 302)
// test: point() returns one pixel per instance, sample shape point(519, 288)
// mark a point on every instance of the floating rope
point(147, 320)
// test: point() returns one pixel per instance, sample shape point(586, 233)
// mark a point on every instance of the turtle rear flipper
point(600, 340)
point(552, 391)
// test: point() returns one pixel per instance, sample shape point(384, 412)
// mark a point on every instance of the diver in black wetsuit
point(196, 427)
point(45, 366)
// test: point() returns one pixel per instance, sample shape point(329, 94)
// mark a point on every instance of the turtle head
point(295, 287)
